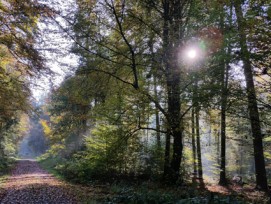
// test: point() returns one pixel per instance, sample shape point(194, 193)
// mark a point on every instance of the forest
point(135, 101)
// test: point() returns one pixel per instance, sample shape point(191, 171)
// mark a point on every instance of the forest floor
point(247, 192)
point(29, 183)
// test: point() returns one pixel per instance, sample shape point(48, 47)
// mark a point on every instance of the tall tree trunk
point(261, 179)
point(174, 13)
point(218, 146)
point(194, 144)
point(167, 67)
point(197, 126)
point(171, 42)
point(157, 118)
point(174, 109)
point(200, 171)
point(167, 156)
point(174, 106)
point(224, 97)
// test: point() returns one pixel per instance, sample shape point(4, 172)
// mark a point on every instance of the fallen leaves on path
point(29, 184)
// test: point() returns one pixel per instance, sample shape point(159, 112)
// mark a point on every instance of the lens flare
point(191, 54)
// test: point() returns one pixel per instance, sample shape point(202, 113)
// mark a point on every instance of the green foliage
point(146, 194)
point(102, 156)
point(49, 163)
point(6, 164)
point(12, 136)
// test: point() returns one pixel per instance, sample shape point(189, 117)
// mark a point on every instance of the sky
point(54, 46)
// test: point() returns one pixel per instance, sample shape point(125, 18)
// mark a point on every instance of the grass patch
point(49, 165)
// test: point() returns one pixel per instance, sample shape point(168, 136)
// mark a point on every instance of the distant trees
point(19, 60)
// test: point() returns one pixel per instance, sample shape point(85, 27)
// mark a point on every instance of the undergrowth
point(153, 193)
point(6, 164)
point(50, 164)
point(127, 191)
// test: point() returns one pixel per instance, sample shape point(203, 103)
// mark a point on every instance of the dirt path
point(30, 184)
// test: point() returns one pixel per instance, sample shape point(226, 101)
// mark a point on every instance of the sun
point(191, 54)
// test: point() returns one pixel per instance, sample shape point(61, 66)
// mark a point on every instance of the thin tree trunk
point(218, 147)
point(224, 99)
point(167, 156)
point(2, 152)
point(157, 118)
point(165, 56)
point(261, 179)
point(194, 145)
point(200, 171)
point(222, 177)
point(195, 100)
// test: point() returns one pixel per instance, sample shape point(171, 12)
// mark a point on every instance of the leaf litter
point(29, 184)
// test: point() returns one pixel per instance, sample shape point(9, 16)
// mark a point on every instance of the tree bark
point(194, 144)
point(200, 170)
point(167, 156)
point(166, 63)
point(157, 118)
point(174, 108)
point(171, 36)
point(174, 13)
point(224, 97)
point(156, 97)
point(224, 100)
point(197, 127)
point(261, 179)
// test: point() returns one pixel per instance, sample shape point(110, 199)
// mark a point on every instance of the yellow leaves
point(46, 129)
point(86, 3)
point(9, 66)
point(24, 124)
point(56, 119)
point(5, 57)
point(13, 91)
point(54, 149)
point(267, 155)
point(267, 139)
point(17, 33)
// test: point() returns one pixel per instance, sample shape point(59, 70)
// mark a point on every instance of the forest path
point(29, 184)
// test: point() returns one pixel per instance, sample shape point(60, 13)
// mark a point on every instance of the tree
point(226, 52)
point(261, 179)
